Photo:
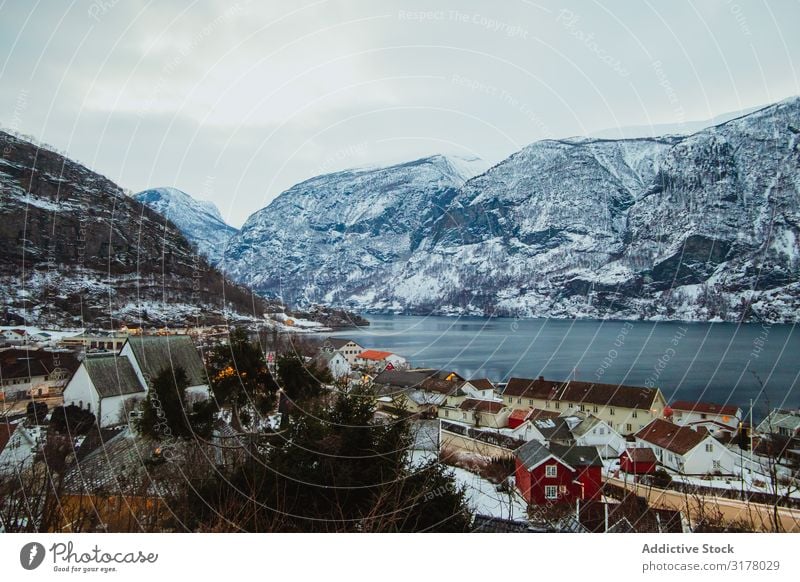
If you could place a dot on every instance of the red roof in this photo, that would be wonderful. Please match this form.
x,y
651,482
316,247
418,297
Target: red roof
x,y
482,383
374,355
520,414
641,455
678,439
705,407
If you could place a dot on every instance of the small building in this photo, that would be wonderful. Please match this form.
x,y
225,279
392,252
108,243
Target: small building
x,y
684,450
557,474
478,413
347,347
420,391
780,423
594,432
638,461
105,385
378,360
334,362
18,445
96,341
34,373
709,414
481,388
14,336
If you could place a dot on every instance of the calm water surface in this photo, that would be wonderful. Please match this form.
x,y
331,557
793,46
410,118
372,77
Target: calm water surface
x,y
720,362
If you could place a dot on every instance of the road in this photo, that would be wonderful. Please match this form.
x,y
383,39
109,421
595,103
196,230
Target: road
x,y
730,510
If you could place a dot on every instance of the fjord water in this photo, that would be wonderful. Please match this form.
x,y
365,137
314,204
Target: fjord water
x,y
720,362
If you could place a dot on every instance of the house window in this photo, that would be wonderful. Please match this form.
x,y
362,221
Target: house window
x,y
547,404
570,405
634,414
595,408
557,405
446,413
550,492
464,415
602,430
530,401
704,416
709,447
519,400
716,465
89,406
611,411
582,408
629,427
551,471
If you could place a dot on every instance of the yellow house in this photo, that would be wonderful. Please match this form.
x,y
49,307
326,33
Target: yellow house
x,y
627,409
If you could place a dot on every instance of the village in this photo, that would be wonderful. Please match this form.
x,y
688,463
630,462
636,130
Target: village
x,y
534,454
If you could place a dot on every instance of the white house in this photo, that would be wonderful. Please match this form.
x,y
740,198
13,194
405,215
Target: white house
x,y
18,445
684,450
14,336
108,384
347,347
715,417
105,385
594,432
150,355
480,388
335,363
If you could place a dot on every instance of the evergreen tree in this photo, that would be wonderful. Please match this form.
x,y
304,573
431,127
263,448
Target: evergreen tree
x,y
300,380
240,376
335,469
163,411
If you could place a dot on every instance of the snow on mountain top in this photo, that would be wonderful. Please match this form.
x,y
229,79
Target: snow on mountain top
x,y
166,201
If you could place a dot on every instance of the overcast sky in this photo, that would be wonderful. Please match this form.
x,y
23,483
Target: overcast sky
x,y
236,101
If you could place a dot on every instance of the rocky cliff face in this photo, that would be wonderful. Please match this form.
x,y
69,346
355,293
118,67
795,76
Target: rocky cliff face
x,y
340,235
199,220
695,227
74,249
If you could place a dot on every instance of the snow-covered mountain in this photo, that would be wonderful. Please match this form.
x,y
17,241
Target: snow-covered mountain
x,y
199,220
696,227
339,235
75,250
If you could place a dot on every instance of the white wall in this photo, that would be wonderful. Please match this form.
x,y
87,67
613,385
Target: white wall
x,y
610,443
683,418
81,391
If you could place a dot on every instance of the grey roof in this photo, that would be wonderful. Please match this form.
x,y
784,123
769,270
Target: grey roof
x,y
586,425
112,375
554,429
155,353
339,342
533,452
778,419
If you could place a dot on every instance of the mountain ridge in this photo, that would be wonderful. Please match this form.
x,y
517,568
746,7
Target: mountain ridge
x,y
667,227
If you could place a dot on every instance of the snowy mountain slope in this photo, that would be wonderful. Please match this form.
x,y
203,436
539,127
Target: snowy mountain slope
x,y
74,249
199,220
335,235
696,227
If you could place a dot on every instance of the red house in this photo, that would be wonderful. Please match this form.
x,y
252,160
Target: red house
x,y
639,461
558,473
